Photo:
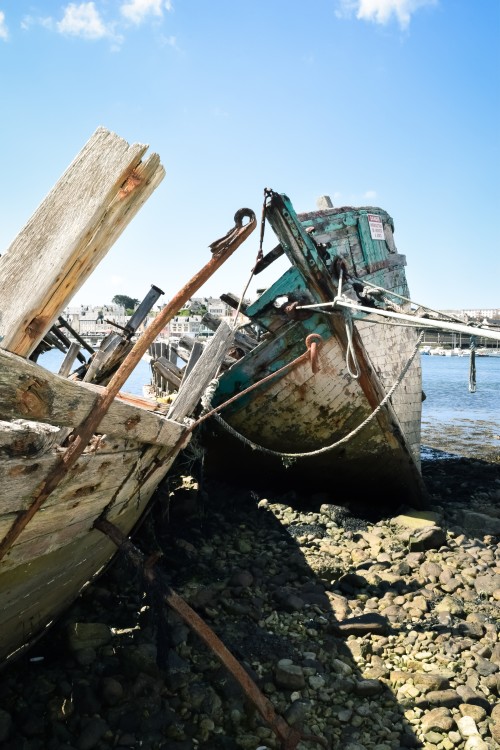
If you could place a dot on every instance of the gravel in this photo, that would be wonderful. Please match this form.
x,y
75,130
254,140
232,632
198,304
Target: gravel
x,y
375,633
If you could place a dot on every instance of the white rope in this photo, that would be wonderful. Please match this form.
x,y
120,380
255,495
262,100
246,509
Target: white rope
x,y
212,387
350,354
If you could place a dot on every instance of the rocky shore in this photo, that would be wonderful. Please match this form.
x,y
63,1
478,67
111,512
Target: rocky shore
x,y
371,630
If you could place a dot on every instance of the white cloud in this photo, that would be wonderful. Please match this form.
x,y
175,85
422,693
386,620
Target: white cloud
x,y
137,10
370,195
83,20
169,41
382,11
4,32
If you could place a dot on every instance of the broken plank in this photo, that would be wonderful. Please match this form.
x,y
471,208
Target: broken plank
x,y
69,234
242,340
170,372
206,368
29,392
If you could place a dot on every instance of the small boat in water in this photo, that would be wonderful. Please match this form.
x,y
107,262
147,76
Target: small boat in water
x,y
74,449
335,392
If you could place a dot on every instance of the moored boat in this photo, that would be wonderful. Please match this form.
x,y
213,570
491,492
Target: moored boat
x,y
347,417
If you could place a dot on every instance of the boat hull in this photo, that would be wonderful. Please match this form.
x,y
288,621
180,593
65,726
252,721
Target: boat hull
x,y
303,412
59,552
332,427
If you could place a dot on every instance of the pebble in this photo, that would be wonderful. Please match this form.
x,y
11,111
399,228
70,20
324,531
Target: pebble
x,y
372,633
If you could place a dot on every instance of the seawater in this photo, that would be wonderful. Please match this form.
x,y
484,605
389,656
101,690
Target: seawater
x,y
453,419
141,375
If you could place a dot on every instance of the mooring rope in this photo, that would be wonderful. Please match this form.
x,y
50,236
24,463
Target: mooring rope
x,y
213,386
350,354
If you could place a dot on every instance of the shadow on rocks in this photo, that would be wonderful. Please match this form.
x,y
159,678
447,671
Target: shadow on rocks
x,y
353,631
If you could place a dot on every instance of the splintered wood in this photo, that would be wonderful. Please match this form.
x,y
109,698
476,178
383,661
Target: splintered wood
x,y
69,234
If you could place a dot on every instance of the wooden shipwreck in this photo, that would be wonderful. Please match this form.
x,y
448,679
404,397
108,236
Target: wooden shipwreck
x,y
344,417
73,451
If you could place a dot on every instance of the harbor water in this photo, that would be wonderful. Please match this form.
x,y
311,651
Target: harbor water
x,y
454,421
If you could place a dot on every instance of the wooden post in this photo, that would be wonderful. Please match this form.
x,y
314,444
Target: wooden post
x,y
70,357
196,353
207,366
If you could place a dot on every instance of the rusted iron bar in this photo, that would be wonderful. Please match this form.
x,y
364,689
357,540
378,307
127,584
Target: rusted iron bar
x,y
221,250
64,324
289,736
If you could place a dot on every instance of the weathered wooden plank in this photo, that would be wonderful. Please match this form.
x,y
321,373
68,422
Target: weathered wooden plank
x,y
68,360
207,366
29,439
268,258
242,340
69,234
196,353
168,370
30,392
38,591
94,472
57,526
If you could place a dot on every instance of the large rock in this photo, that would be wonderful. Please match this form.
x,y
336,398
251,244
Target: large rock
x,y
428,681
289,676
486,585
430,537
88,635
479,523
438,720
369,623
418,519
445,698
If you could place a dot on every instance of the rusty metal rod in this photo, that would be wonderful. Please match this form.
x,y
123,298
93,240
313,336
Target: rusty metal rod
x,y
289,736
221,250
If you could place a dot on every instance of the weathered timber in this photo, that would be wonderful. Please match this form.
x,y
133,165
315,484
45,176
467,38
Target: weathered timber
x,y
168,371
28,440
36,589
69,233
221,251
69,359
207,366
242,340
196,353
27,391
268,258
233,301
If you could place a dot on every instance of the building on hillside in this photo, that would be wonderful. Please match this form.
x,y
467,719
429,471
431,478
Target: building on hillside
x,y
488,314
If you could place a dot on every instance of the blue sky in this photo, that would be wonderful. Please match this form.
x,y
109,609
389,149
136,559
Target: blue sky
x,y
392,103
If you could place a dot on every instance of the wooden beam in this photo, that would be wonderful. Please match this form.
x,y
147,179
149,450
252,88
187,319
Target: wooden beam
x,y
168,371
70,357
28,391
196,352
69,234
243,340
194,385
